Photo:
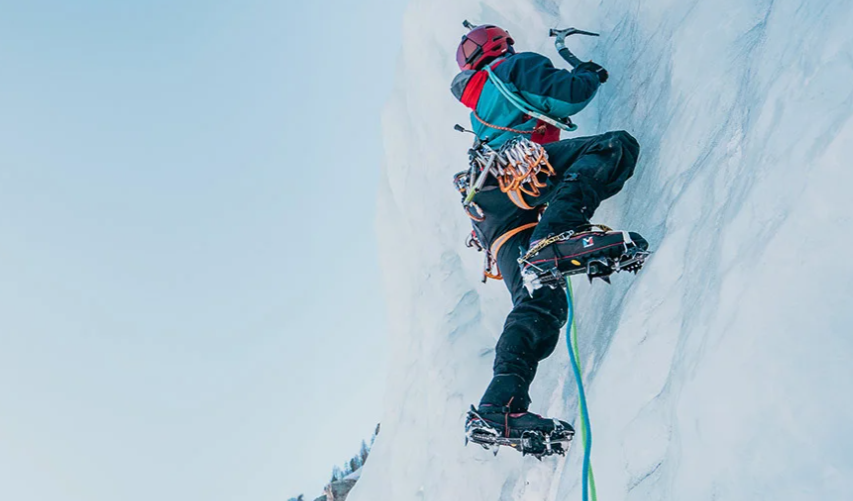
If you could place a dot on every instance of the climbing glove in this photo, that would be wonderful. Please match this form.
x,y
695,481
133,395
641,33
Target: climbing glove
x,y
595,68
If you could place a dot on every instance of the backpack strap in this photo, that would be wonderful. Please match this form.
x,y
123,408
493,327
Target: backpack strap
x,y
524,106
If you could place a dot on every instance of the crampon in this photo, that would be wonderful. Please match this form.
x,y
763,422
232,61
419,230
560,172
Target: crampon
x,y
599,252
537,443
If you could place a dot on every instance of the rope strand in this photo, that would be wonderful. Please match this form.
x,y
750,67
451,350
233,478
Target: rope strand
x,y
588,483
537,130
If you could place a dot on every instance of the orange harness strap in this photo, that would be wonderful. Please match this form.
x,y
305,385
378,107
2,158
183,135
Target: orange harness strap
x,y
496,247
517,198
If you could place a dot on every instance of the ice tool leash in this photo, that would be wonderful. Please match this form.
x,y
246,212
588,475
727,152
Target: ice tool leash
x,y
588,479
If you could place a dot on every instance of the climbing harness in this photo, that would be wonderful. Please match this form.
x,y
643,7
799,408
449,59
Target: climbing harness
x,y
519,167
490,265
501,240
588,478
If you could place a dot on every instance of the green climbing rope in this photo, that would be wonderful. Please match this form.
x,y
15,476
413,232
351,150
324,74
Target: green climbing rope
x,y
586,433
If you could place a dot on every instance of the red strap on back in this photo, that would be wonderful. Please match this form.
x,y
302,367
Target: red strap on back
x,y
471,96
474,88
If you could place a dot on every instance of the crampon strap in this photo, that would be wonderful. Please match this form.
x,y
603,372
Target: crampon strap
x,y
545,242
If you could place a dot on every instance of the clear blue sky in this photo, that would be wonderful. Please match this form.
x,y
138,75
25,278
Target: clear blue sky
x,y
189,302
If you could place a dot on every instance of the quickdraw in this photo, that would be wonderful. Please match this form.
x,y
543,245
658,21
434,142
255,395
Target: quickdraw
x,y
517,166
490,266
462,181
525,161
490,263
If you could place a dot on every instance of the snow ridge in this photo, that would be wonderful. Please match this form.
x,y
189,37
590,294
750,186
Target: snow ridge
x,y
723,370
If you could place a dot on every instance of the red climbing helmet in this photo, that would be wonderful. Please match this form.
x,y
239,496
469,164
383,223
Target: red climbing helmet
x,y
481,45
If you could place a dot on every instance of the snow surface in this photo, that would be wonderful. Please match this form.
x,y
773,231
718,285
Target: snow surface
x,y
723,371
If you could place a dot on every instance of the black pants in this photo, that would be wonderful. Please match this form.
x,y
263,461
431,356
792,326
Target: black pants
x,y
589,170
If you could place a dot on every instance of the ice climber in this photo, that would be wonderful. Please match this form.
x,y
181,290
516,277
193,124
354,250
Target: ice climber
x,y
535,233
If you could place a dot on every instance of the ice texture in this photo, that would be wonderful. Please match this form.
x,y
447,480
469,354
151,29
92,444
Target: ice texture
x,y
724,370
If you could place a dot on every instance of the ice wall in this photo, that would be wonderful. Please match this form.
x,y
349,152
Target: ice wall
x,y
725,369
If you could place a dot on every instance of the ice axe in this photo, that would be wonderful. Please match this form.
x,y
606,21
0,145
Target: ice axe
x,y
560,43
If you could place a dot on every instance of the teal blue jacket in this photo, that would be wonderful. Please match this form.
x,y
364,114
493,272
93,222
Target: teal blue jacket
x,y
554,92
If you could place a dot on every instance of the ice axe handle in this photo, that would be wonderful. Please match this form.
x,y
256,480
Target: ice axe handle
x,y
560,43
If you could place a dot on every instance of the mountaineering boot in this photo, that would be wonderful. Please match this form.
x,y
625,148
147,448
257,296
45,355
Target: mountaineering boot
x,y
514,424
593,249
526,432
